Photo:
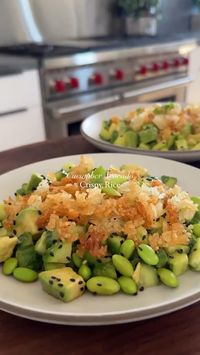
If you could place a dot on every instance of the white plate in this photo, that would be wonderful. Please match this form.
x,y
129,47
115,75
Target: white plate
x,y
29,301
91,128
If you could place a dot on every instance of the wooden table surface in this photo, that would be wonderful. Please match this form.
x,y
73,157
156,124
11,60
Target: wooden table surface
x,y
177,333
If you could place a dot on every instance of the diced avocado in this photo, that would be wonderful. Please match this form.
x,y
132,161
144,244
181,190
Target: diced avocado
x,y
196,218
114,243
196,200
169,180
47,239
181,144
105,134
60,253
194,259
25,240
178,263
105,269
171,141
91,260
160,146
114,136
146,276
64,284
196,229
26,221
186,130
120,140
148,134
196,147
144,146
181,249
163,258
53,266
34,182
131,139
27,257
2,212
77,260
7,246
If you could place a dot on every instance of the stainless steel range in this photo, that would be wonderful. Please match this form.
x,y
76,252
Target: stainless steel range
x,y
81,77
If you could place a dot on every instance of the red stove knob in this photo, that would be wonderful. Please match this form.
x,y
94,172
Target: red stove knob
x,y
176,63
119,74
185,61
143,70
96,79
74,83
155,67
59,86
165,65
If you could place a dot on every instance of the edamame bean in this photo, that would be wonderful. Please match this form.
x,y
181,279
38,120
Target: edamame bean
x,y
85,272
76,260
196,230
127,285
24,274
122,265
127,248
9,266
147,254
102,285
167,277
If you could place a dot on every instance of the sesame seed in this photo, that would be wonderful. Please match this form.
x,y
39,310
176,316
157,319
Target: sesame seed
x,y
121,241
40,212
51,253
98,284
60,285
68,258
82,288
60,246
14,223
51,282
80,282
53,277
72,280
40,229
141,288
144,236
180,251
62,294
15,194
17,214
58,279
135,294
14,232
9,203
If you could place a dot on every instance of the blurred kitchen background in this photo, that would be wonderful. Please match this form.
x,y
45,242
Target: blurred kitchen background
x,y
62,60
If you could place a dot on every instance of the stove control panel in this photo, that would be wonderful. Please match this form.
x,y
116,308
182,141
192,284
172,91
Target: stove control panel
x,y
68,81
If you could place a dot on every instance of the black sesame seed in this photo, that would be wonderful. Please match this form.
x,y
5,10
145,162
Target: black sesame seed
x,y
72,280
51,282
43,176
180,251
62,294
60,246
9,203
14,232
98,284
94,293
51,253
80,282
53,277
82,288
60,285
141,288
140,248
15,194
68,258
135,294
121,241
14,223
40,212
171,256
40,229
17,214
58,279
144,237
195,249
54,241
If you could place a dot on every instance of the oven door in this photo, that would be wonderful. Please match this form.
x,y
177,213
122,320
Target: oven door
x,y
174,90
64,118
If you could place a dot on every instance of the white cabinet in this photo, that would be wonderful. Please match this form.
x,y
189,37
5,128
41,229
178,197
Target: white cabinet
x,y
193,91
21,115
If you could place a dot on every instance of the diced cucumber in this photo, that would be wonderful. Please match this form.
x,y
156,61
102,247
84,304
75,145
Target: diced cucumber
x,y
194,259
148,276
114,243
178,263
196,230
163,258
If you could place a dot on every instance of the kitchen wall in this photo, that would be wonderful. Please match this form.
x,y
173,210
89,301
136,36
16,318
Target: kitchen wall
x,y
175,16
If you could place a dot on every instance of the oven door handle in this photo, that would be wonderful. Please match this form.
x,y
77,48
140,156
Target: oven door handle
x,y
58,113
158,87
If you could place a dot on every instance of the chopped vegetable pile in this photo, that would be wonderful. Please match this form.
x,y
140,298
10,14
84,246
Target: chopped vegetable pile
x,y
102,230
160,127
